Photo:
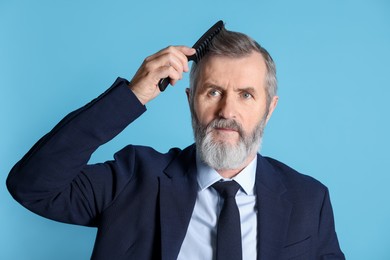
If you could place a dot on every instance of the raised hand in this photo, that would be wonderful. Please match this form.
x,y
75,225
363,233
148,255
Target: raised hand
x,y
170,62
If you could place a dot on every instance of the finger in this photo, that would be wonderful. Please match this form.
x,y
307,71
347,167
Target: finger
x,y
170,62
176,63
167,65
174,53
174,75
169,49
186,50
168,59
173,82
183,53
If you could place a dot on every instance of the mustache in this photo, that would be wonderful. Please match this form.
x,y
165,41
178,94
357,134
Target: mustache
x,y
225,123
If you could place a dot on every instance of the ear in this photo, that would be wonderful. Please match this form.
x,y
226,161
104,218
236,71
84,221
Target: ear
x,y
272,106
188,94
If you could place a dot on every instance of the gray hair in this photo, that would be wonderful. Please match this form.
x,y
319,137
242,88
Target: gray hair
x,y
235,45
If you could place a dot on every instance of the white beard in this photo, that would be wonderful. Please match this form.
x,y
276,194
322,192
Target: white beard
x,y
221,155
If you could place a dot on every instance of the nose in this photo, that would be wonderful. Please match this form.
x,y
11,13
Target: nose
x,y
228,107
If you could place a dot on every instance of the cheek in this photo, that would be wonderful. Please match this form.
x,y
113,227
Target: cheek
x,y
204,113
204,117
254,119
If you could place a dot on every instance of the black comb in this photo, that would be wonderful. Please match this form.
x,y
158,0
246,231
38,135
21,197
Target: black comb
x,y
201,47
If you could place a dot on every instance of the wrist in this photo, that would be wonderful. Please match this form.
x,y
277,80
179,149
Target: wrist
x,y
141,97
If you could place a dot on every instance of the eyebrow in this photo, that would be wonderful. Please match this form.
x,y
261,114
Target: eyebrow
x,y
206,87
251,90
239,89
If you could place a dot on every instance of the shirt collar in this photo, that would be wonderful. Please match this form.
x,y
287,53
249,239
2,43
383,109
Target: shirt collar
x,y
207,176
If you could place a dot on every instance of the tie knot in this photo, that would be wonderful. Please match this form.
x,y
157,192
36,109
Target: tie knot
x,y
226,189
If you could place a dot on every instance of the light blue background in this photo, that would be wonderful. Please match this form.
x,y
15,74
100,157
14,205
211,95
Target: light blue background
x,y
332,121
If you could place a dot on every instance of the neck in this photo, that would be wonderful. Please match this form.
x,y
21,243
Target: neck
x,y
231,173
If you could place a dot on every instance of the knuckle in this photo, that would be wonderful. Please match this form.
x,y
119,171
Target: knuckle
x,y
147,59
147,66
173,73
171,48
171,58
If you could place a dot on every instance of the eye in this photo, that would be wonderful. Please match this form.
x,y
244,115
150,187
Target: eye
x,y
214,93
246,95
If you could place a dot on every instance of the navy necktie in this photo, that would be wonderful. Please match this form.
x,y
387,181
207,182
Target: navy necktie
x,y
229,225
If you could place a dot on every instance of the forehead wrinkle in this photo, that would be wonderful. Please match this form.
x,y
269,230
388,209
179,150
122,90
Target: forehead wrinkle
x,y
217,73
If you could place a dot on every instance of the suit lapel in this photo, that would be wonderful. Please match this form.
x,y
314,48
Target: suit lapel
x,y
176,210
273,211
178,190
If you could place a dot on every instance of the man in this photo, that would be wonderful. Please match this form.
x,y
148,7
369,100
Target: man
x,y
149,205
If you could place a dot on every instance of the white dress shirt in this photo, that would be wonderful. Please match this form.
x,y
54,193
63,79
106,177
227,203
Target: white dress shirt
x,y
200,240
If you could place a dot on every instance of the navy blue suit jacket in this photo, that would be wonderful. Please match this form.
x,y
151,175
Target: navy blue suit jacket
x,y
142,201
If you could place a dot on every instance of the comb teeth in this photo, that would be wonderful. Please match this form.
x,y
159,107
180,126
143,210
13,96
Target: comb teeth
x,y
202,45
203,48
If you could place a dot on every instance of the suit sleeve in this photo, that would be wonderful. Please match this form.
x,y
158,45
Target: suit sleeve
x,y
329,248
53,178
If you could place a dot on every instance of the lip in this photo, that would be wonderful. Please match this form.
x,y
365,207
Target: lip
x,y
227,130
